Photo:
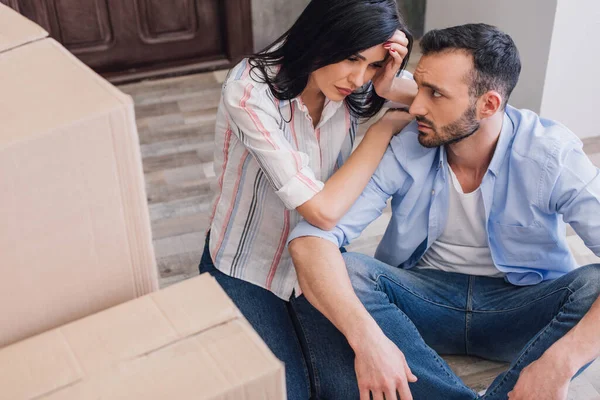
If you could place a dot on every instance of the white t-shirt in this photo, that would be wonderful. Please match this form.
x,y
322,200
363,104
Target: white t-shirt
x,y
463,246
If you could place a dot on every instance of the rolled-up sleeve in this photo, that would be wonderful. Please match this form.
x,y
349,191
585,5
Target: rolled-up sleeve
x,y
576,195
255,120
335,236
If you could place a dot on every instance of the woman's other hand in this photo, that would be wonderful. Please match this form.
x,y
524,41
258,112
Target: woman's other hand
x,y
384,79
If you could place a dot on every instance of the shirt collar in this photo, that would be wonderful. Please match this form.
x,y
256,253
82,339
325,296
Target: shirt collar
x,y
330,103
329,108
507,134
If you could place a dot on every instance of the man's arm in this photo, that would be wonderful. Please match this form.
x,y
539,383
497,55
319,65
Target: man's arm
x,y
581,345
549,377
380,365
575,195
319,262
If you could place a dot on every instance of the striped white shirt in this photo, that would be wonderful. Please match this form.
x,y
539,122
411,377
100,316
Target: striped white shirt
x,y
269,159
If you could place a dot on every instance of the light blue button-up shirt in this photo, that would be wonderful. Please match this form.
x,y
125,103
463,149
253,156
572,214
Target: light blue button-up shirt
x,y
539,179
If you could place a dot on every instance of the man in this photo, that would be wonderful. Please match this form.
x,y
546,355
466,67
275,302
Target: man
x,y
474,260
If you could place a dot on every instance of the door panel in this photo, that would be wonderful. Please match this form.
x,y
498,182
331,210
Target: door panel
x,y
36,10
84,28
160,23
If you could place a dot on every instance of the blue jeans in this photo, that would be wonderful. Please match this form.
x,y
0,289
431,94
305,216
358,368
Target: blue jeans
x,y
427,312
296,332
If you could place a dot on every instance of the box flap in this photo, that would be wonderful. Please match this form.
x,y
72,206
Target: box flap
x,y
149,323
17,30
36,366
222,363
49,88
119,333
195,305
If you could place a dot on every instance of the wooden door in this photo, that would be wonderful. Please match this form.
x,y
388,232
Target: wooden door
x,y
131,39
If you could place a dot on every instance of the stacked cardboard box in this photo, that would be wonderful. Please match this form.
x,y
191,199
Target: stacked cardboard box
x,y
75,240
74,226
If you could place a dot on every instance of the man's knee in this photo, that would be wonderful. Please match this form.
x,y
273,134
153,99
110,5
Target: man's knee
x,y
588,275
586,283
361,270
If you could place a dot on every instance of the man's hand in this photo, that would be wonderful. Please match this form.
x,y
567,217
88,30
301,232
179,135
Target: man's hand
x,y
384,80
542,379
381,369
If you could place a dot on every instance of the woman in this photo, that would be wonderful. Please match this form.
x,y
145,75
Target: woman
x,y
285,130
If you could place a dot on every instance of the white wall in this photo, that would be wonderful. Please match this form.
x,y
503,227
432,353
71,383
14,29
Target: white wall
x,y
271,18
572,86
528,22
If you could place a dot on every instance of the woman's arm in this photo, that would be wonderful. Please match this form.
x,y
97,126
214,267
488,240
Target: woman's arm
x,y
341,190
253,117
402,91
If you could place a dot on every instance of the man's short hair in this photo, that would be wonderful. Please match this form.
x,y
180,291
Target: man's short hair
x,y
496,60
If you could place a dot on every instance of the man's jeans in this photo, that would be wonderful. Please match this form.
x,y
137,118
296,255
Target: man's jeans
x,y
424,313
428,312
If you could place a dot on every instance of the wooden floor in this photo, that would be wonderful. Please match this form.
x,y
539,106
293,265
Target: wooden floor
x,y
175,119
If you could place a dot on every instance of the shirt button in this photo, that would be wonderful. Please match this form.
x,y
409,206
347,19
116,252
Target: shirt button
x,y
432,192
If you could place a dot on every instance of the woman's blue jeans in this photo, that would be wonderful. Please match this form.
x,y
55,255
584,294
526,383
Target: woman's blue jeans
x,y
296,332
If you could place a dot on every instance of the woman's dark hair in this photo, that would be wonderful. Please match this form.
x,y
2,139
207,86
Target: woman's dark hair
x,y
327,32
496,61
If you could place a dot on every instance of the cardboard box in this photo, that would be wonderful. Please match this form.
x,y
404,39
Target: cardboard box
x,y
188,341
75,232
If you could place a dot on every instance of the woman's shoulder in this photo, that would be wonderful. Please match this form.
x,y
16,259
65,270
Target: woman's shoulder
x,y
244,73
244,85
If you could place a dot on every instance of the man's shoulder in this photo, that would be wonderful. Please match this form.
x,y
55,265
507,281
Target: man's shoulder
x,y
406,146
538,138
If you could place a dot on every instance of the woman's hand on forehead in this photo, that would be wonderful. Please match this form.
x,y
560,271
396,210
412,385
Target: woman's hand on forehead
x,y
400,38
383,81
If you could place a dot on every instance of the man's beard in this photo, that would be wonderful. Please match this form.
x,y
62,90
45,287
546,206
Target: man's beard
x,y
462,128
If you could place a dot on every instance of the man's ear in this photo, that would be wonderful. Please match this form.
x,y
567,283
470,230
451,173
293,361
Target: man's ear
x,y
489,104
